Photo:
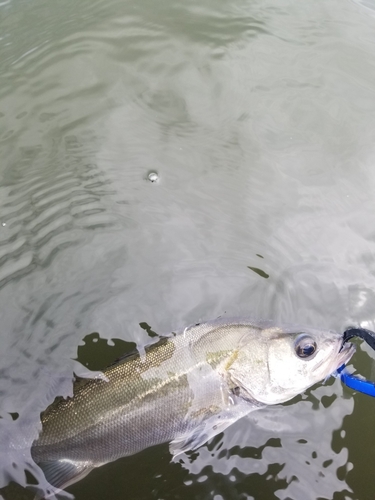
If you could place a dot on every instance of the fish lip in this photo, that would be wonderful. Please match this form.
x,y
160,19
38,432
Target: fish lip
x,y
344,342
345,352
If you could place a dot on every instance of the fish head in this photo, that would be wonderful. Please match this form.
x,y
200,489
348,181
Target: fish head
x,y
279,363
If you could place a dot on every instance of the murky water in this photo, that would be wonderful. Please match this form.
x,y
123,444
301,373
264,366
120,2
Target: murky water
x,y
258,118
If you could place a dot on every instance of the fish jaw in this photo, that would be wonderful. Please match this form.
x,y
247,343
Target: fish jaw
x,y
344,355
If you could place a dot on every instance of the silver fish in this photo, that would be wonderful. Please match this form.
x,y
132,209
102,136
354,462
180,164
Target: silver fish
x,y
184,390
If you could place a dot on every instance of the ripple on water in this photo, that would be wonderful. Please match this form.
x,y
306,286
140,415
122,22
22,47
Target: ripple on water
x,y
45,209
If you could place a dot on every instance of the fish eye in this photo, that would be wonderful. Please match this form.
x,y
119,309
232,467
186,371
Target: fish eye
x,y
305,346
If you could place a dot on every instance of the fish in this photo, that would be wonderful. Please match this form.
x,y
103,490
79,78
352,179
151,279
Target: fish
x,y
184,389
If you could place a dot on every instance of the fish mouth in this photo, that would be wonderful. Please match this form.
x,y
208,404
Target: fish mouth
x,y
345,352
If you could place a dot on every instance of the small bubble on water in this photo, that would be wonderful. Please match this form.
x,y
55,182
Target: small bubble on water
x,y
153,177
3,224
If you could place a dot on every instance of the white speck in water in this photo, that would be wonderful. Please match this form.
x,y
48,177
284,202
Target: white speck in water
x,y
153,176
3,224
203,478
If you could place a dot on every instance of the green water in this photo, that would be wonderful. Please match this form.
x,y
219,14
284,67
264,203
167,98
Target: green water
x,y
259,119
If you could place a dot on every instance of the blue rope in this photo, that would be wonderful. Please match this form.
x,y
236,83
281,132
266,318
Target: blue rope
x,y
360,385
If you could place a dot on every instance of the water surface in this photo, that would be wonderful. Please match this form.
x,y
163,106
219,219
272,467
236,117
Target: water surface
x,y
258,117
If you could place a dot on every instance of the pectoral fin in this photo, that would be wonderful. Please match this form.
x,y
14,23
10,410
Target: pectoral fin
x,y
62,473
197,437
207,429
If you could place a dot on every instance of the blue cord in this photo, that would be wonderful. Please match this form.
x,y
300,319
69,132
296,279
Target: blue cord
x,y
364,386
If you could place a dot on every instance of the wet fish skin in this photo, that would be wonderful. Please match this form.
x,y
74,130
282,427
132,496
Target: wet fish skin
x,y
187,388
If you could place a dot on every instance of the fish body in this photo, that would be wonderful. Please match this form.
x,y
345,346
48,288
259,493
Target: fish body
x,y
184,390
